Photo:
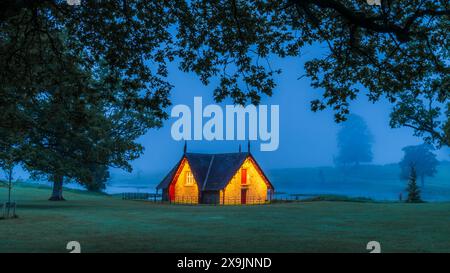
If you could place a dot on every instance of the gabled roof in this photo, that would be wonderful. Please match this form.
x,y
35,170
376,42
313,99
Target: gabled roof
x,y
211,171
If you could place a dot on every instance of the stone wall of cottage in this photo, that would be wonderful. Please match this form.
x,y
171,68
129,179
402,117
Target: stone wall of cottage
x,y
255,187
184,192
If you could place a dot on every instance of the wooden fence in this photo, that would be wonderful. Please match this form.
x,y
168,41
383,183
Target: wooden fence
x,y
190,200
142,196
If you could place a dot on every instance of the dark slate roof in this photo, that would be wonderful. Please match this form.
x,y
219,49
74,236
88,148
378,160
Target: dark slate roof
x,y
211,171
166,181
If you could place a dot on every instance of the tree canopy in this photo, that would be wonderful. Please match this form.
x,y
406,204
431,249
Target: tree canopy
x,y
75,85
354,142
422,158
398,51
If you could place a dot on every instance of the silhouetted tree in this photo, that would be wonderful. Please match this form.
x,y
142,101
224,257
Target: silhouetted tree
x,y
423,160
78,136
100,175
10,157
413,189
76,87
321,176
354,142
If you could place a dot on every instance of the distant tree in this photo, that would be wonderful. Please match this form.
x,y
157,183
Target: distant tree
x,y
423,160
354,142
413,189
100,175
321,177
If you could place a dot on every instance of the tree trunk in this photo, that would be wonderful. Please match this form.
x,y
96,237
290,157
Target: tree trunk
x,y
57,189
9,185
8,205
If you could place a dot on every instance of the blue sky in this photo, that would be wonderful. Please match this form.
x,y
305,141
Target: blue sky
x,y
307,139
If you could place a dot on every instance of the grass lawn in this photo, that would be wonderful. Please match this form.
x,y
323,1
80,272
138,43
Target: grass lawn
x,y
107,224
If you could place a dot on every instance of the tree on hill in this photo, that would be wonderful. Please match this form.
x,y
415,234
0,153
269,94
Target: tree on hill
x,y
100,175
354,142
423,160
413,189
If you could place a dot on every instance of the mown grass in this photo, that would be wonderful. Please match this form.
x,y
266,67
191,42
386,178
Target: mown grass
x,y
107,224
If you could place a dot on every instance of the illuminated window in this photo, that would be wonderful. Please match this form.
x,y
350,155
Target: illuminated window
x,y
244,176
189,179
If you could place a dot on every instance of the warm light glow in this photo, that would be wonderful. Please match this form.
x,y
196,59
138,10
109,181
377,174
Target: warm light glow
x,y
189,179
253,191
247,186
186,189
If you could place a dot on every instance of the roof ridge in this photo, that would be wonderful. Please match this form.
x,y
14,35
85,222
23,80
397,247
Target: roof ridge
x,y
207,173
211,154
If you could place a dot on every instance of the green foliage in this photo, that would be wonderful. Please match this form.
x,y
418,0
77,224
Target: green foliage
x,y
413,189
75,86
100,175
423,160
398,51
354,142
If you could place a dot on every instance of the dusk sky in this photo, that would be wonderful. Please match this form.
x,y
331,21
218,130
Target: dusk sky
x,y
306,138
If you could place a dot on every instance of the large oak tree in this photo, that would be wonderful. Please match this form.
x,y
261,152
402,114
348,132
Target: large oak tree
x,y
76,86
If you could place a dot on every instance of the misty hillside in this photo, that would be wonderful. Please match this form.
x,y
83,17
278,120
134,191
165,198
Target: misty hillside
x,y
380,182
